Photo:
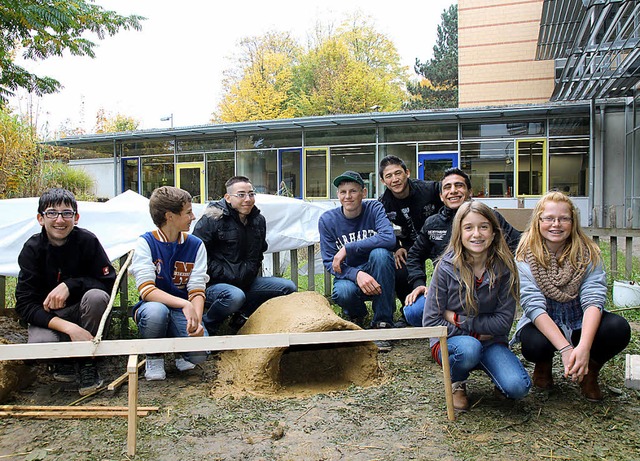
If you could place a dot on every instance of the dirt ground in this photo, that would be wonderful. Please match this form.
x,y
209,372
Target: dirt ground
x,y
401,417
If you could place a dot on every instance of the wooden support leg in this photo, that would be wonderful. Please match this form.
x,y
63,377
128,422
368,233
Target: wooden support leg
x,y
132,370
446,371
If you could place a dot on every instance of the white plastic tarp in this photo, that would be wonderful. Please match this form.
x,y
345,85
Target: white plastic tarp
x,y
291,223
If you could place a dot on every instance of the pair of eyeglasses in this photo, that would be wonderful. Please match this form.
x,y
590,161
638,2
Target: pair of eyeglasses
x,y
53,214
561,219
243,195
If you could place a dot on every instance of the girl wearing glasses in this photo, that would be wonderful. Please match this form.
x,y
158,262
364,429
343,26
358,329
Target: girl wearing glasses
x,y
563,289
473,293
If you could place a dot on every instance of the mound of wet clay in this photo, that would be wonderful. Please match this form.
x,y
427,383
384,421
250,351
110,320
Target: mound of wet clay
x,y
297,370
14,374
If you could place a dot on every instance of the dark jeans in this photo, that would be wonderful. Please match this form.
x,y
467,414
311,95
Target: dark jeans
x,y
611,338
402,284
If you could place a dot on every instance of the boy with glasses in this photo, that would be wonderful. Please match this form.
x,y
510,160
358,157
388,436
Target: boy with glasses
x,y
64,284
234,233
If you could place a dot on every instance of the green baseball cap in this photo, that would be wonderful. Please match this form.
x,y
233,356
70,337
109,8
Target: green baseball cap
x,y
348,176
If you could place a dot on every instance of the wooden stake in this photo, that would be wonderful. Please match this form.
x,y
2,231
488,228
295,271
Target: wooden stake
x,y
132,420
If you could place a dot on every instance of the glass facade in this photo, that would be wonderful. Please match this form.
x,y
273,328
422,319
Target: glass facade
x,y
505,159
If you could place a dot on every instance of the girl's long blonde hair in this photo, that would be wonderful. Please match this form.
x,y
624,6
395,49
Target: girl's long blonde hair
x,y
499,256
577,242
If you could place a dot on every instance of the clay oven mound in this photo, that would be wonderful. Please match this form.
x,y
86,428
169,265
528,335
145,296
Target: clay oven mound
x,y
297,370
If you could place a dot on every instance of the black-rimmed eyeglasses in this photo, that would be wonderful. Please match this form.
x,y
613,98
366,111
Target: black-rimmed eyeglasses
x,y
53,214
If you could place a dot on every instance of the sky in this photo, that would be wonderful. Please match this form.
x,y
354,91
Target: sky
x,y
175,65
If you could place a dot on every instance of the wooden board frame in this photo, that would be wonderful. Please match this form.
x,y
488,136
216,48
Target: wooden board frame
x,y
133,347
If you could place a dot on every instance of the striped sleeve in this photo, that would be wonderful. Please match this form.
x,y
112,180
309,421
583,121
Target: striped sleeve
x,y
142,268
198,279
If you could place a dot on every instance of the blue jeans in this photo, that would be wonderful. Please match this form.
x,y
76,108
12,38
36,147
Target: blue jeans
x,y
466,353
350,298
155,320
224,299
413,312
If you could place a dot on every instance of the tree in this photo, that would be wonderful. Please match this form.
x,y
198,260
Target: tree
x,y
43,28
107,123
259,86
438,86
349,70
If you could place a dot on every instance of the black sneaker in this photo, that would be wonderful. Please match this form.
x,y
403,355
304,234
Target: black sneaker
x,y
237,321
90,379
64,371
401,323
383,345
357,320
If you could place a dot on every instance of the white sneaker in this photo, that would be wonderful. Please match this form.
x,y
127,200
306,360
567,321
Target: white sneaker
x,y
154,370
183,364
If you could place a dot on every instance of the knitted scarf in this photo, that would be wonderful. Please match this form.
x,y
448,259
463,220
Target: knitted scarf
x,y
559,282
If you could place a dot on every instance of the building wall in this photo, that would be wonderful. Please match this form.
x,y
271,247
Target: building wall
x,y
496,54
101,170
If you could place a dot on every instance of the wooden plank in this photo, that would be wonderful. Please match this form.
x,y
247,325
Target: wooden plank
x,y
293,256
71,408
606,232
116,383
3,292
43,414
613,241
446,372
350,336
311,268
210,343
132,417
628,263
632,371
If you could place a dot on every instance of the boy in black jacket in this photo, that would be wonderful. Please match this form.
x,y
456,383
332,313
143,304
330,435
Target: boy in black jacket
x,y
64,284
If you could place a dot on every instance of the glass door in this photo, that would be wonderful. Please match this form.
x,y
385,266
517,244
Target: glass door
x,y
316,169
431,166
190,177
290,172
531,167
131,174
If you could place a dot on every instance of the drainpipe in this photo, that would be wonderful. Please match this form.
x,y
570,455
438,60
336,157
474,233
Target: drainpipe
x,y
115,169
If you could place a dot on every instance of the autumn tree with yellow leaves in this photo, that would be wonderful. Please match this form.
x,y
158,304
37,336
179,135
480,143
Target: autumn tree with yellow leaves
x,y
353,69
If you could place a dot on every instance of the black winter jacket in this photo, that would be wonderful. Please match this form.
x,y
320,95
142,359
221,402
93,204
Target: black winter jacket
x,y
434,238
234,250
81,263
410,213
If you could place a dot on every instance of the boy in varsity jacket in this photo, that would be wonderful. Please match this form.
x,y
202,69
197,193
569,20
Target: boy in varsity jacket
x,y
170,269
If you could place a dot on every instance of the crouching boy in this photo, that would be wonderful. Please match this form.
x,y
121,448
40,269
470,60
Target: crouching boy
x,y
170,269
64,284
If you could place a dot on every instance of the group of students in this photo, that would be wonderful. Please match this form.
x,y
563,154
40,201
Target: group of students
x,y
556,276
190,283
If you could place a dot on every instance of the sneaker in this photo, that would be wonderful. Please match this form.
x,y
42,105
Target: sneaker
x,y
154,370
64,371
357,320
401,323
383,345
183,364
90,379
237,321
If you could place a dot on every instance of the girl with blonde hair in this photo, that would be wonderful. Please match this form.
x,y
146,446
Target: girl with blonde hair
x,y
563,290
473,293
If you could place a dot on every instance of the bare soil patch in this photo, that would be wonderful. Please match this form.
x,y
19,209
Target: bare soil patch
x,y
401,417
